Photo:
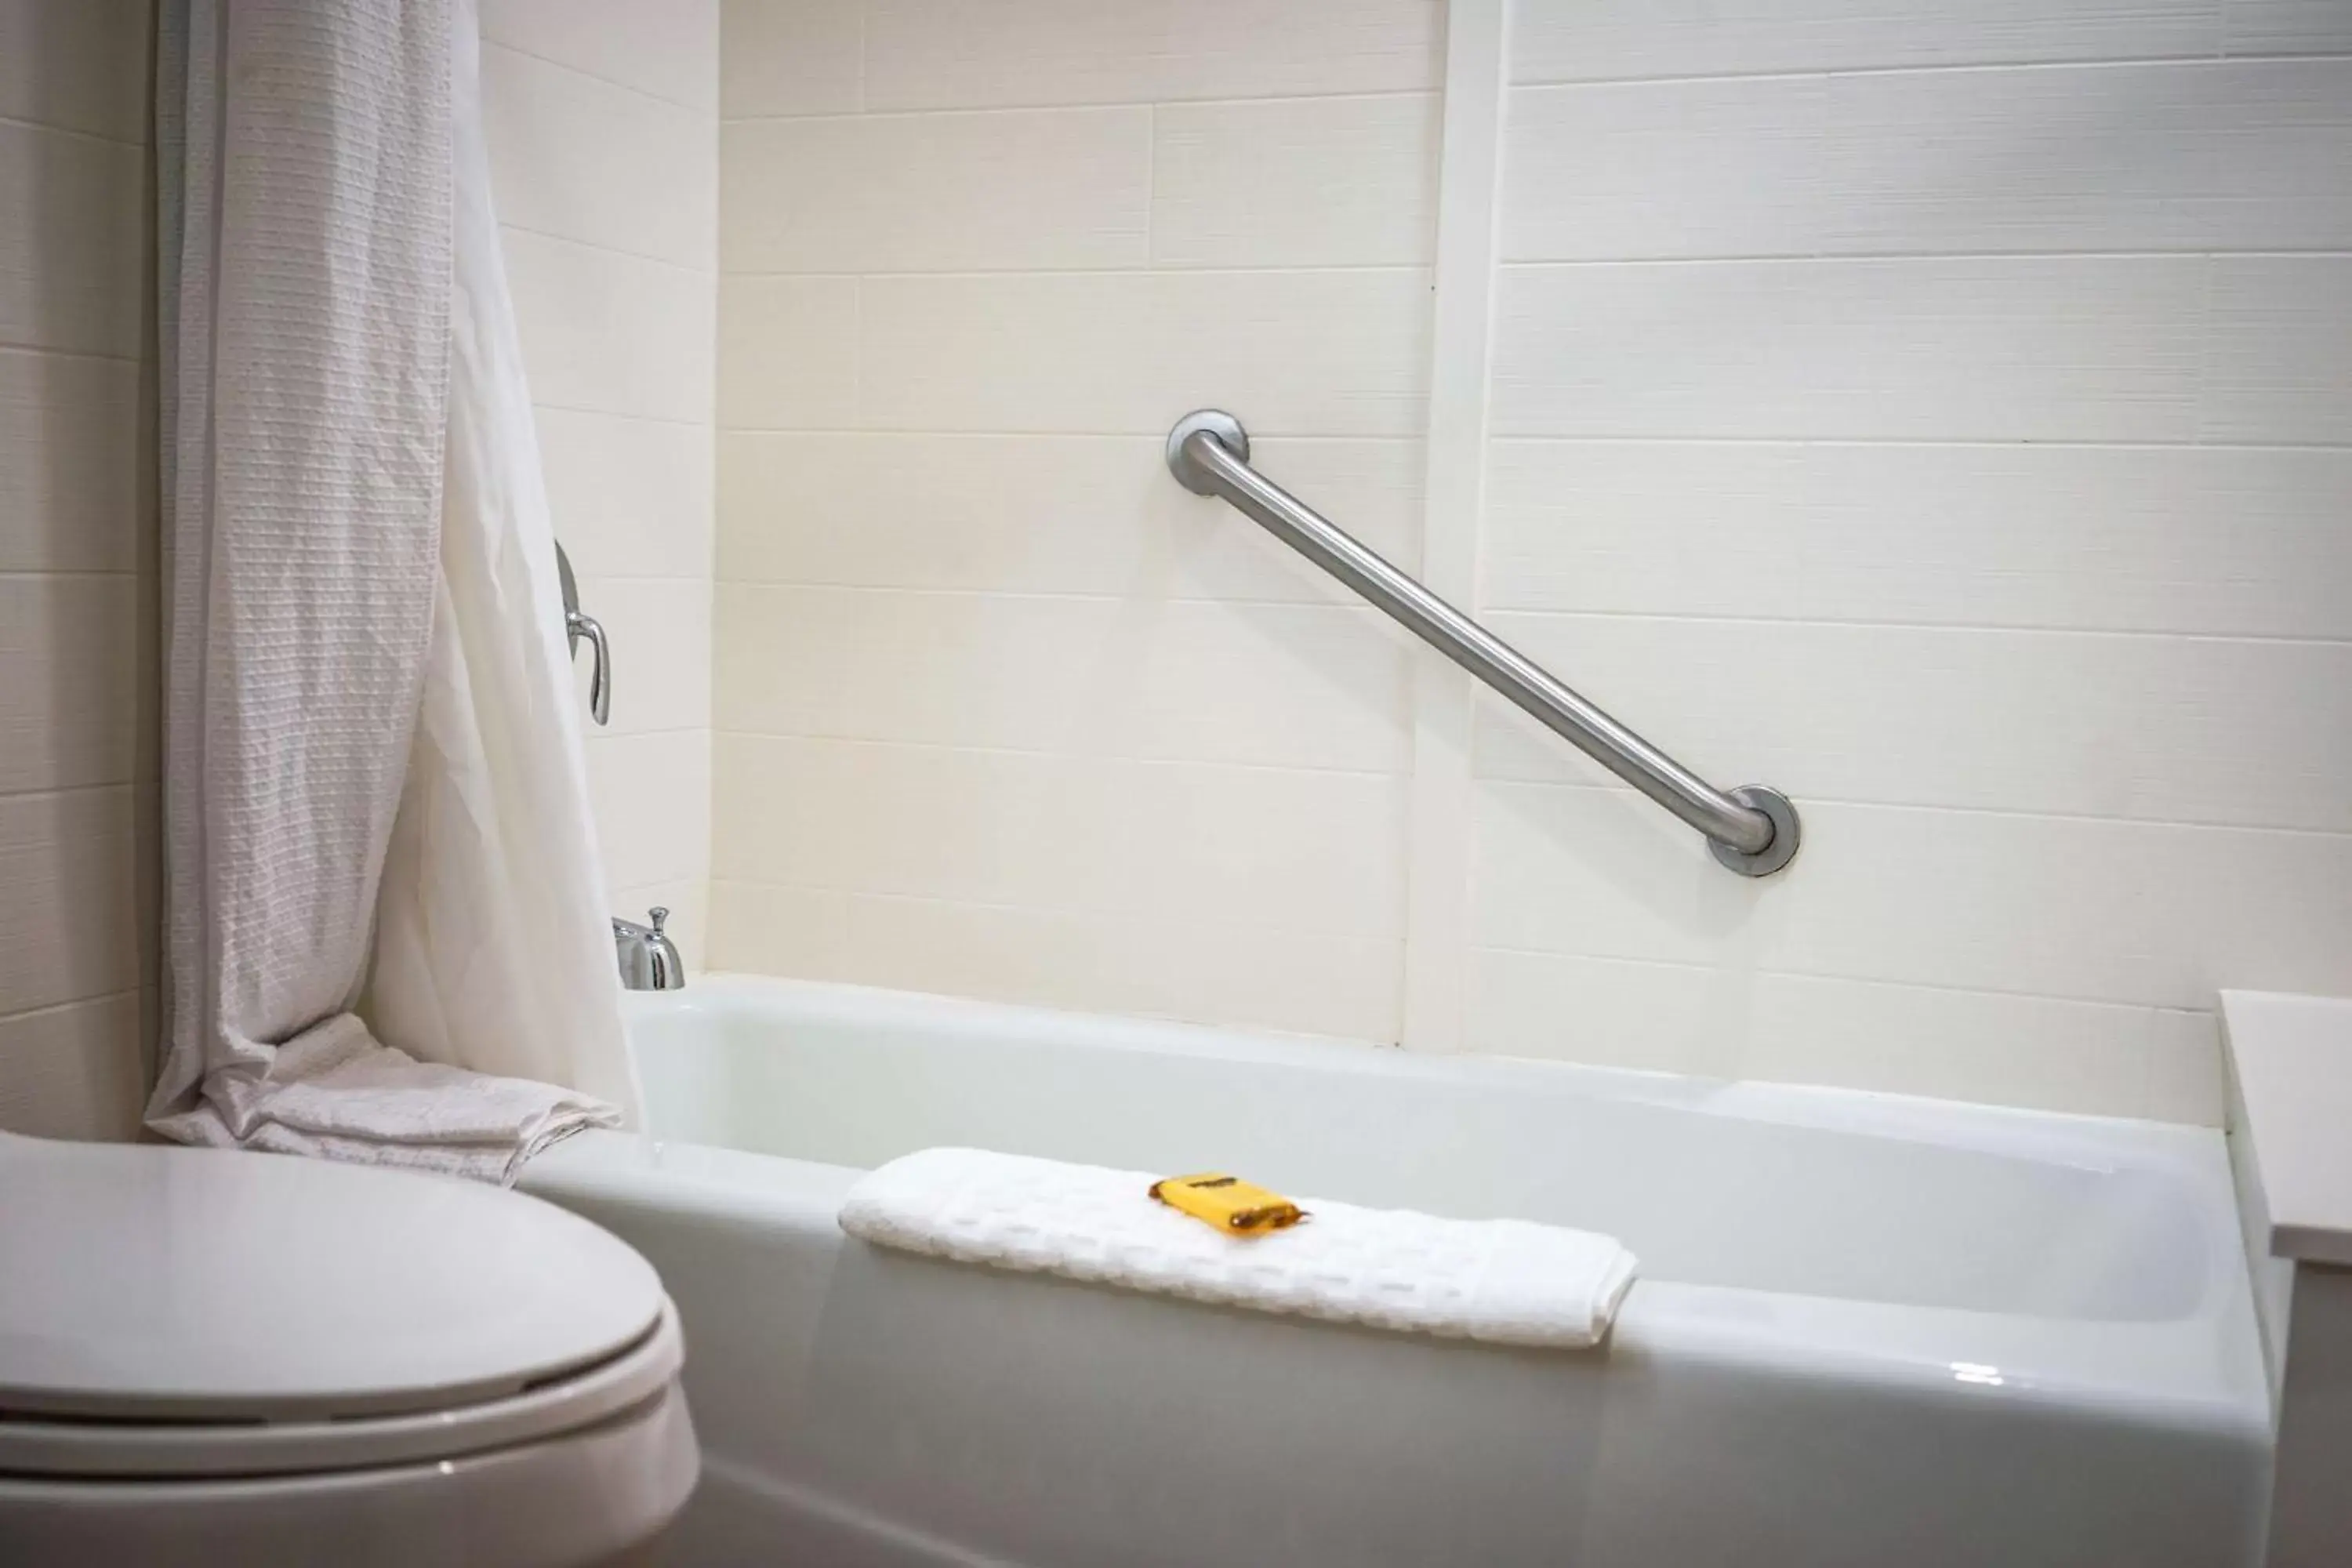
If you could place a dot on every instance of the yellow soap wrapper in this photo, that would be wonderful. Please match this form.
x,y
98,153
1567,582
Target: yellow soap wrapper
x,y
1228,1202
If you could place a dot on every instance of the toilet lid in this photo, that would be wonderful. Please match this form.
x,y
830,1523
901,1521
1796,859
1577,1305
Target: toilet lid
x,y
138,1283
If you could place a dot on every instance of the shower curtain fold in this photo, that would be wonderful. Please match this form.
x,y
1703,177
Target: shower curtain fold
x,y
384,919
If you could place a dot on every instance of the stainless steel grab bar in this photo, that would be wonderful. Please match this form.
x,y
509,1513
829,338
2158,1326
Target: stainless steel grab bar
x,y
1752,829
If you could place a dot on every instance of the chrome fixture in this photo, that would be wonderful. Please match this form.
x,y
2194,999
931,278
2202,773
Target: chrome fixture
x,y
649,960
1752,829
576,626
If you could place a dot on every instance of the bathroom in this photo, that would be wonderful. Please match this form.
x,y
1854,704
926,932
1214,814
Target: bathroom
x,y
1910,444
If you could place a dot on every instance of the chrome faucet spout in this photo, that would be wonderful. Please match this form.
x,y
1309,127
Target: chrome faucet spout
x,y
648,959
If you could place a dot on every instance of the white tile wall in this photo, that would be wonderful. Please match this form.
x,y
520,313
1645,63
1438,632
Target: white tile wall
x,y
1293,352
660,48
2153,728
1274,848
609,332
1958,439
74,1071
791,57
69,498
949,54
1039,514
2158,156
576,156
1295,183
788,352
2225,540
76,68
68,713
76,563
1944,412
939,193
1934,348
1156,965
1077,675
2280,350
1000,709
602,118
1602,40
70,932
70,260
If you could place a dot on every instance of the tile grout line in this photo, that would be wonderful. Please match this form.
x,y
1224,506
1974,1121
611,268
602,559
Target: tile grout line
x,y
679,104
47,1008
1969,67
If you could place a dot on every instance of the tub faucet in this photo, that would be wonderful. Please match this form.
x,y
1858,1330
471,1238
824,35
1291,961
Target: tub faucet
x,y
649,960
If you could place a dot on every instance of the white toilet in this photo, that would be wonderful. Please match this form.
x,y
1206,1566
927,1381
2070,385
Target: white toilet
x,y
209,1357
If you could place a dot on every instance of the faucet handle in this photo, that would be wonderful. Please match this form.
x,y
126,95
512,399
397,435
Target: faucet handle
x,y
648,959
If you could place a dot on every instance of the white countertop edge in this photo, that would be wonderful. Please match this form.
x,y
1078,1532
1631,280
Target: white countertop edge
x,y
2291,1058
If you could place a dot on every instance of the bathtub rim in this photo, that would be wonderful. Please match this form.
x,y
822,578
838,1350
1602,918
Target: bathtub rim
x,y
2203,1367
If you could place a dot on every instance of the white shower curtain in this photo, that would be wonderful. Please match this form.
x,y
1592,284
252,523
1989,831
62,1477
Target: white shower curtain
x,y
385,924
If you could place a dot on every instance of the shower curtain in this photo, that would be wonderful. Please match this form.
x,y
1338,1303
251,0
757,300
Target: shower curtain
x,y
384,921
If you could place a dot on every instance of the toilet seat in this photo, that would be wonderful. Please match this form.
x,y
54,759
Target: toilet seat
x,y
181,1312
592,1498
642,1372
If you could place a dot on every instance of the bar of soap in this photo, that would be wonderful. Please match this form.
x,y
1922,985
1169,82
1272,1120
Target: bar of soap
x,y
1228,1202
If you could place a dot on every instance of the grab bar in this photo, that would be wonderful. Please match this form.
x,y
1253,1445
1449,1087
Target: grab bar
x,y
1752,829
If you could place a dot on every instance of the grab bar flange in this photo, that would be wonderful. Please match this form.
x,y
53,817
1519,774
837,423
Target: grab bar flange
x,y
1786,833
1214,422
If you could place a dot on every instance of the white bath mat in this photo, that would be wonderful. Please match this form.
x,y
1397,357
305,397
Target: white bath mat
x,y
1507,1281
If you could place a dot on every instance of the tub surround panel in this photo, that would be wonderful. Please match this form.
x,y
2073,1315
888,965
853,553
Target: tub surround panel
x,y
791,57
939,193
70,930
1937,411
603,124
654,791
661,627
2205,731
1303,686
611,332
1037,515
2154,914
69,709
662,50
1335,352
1269,847
2145,156
945,53
609,476
1308,182
68,500
2281,347
1911,348
1636,39
2207,541
78,594
76,1070
576,156
1149,964
788,352
70,268
1000,710
76,68
1725,1020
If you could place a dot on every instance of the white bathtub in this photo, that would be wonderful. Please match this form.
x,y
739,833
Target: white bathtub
x,y
1868,1332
